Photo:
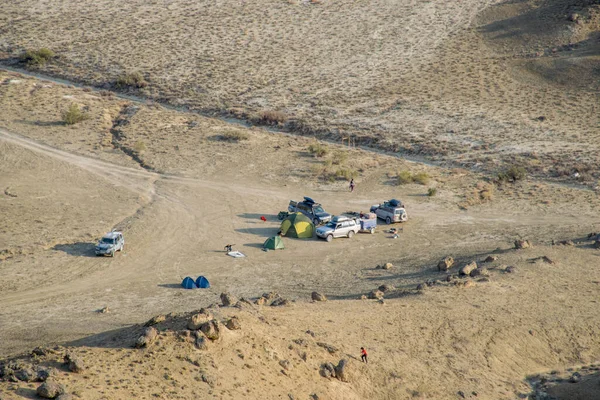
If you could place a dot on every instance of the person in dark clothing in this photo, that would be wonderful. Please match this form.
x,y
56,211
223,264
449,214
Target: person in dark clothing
x,y
363,355
352,185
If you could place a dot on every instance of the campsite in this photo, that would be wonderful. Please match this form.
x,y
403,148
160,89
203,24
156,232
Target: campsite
x,y
171,173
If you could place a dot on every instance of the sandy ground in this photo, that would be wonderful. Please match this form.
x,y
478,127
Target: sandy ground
x,y
198,192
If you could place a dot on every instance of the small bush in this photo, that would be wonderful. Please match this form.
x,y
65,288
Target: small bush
x,y
431,192
73,115
339,158
318,149
272,117
513,174
139,146
404,177
37,58
421,178
234,136
346,173
132,79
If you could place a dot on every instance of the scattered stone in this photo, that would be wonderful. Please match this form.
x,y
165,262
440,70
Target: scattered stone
x,y
461,394
576,377
363,297
466,270
185,335
566,243
198,319
260,301
381,301
201,342
286,364
490,259
26,374
449,278
40,351
375,294
233,324
156,320
300,342
279,302
468,284
386,288
147,337
532,332
228,299
316,296
522,244
445,264
483,280
387,266
479,272
66,396
209,380
510,269
50,390
341,370
74,363
421,286
103,310
271,296
44,373
327,370
311,333
547,260
331,349
211,329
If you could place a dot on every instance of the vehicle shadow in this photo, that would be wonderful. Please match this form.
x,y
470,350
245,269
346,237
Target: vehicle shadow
x,y
266,231
171,286
79,249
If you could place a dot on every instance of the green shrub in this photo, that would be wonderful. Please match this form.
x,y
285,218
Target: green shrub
x,y
73,115
404,177
139,146
234,136
37,58
132,79
339,157
318,149
431,192
513,174
346,173
421,178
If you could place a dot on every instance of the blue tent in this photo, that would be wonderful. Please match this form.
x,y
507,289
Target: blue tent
x,y
188,283
202,282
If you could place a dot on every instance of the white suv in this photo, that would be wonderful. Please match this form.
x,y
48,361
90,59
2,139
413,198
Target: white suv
x,y
339,226
110,244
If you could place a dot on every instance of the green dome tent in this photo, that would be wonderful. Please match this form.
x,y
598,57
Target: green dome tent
x,y
274,243
297,225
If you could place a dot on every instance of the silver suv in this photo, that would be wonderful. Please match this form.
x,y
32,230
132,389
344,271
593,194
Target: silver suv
x,y
110,244
339,226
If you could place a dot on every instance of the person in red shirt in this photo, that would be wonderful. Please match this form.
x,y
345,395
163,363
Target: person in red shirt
x,y
363,355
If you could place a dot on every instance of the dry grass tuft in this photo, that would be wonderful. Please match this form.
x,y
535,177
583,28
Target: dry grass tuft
x,y
272,117
132,79
74,115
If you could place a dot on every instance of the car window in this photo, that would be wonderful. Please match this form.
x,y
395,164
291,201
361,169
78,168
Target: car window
x,y
338,226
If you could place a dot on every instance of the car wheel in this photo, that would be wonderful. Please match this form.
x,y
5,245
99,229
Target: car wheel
x,y
316,221
388,220
329,238
350,234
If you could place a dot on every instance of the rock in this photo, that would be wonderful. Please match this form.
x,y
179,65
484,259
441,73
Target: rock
x,y
421,286
341,371
26,374
510,269
74,363
490,259
448,278
198,319
547,260
233,324
186,335
522,244
156,320
331,349
375,294
479,272
483,280
147,337
381,301
260,301
40,351
466,270
50,390
576,377
468,284
363,297
446,264
228,299
66,396
387,266
270,296
286,364
209,380
201,342
103,310
211,329
44,373
280,302
316,296
327,370
567,243
311,333
386,288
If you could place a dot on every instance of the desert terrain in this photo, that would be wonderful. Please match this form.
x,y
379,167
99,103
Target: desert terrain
x,y
182,163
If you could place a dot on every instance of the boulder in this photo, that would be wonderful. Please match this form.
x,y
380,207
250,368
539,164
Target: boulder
x,y
387,266
469,284
233,324
466,270
198,319
228,299
375,294
510,269
278,302
286,364
327,370
26,374
211,329
50,390
260,301
479,272
316,296
40,351
576,377
44,373
74,363
156,320
522,244
201,342
150,334
386,288
445,264
331,349
341,370
490,259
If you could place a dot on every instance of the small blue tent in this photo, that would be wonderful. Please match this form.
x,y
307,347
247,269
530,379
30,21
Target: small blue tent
x,y
188,283
202,282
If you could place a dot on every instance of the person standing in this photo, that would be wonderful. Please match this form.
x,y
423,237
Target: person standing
x,y
363,355
352,185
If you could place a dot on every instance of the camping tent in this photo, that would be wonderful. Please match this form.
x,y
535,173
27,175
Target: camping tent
x,y
297,225
202,282
274,243
188,283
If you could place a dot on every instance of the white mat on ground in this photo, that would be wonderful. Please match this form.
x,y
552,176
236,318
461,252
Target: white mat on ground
x,y
236,254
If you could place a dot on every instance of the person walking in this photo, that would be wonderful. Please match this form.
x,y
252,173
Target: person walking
x,y
352,185
363,355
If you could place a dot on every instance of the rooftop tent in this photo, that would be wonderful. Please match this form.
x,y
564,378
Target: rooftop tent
x,y
188,283
274,243
297,225
202,283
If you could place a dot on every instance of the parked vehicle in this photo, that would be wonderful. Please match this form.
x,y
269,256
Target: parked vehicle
x,y
390,211
312,210
110,244
368,221
340,226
